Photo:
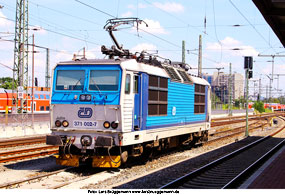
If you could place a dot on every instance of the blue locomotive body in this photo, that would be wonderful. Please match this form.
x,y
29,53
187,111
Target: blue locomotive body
x,y
108,110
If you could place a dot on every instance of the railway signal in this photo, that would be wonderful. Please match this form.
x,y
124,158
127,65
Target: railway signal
x,y
248,65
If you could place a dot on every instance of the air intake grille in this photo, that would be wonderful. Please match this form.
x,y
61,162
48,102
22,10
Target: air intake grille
x,y
184,76
171,72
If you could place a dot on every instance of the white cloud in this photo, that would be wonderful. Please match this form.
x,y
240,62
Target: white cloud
x,y
233,47
127,14
90,55
134,7
143,47
154,27
171,7
4,22
63,56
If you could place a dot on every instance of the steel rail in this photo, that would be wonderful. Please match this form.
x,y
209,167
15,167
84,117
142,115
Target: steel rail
x,y
27,150
234,180
230,135
227,122
23,141
13,183
26,156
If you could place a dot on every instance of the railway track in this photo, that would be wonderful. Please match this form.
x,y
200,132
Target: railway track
x,y
235,132
22,141
17,183
228,121
28,153
13,154
36,180
51,179
230,170
243,117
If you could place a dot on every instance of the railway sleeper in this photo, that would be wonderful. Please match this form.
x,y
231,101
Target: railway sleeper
x,y
203,184
216,176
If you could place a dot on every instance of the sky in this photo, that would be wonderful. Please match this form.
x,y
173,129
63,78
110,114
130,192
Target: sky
x,y
230,29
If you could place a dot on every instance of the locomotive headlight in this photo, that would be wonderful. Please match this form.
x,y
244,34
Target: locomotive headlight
x,y
114,125
106,124
87,97
57,123
82,97
86,140
65,123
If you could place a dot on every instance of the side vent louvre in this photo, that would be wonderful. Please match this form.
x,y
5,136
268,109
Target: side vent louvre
x,y
171,72
185,76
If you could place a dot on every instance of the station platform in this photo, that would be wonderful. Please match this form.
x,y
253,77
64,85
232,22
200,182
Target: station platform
x,y
271,175
23,130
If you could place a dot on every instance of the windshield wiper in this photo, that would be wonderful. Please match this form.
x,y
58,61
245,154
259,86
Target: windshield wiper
x,y
96,86
74,86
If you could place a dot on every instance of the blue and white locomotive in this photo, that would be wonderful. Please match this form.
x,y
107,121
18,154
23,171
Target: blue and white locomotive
x,y
105,111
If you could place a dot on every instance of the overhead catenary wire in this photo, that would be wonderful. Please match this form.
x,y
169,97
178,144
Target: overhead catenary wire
x,y
67,14
176,45
48,23
6,66
59,33
173,44
216,34
253,26
96,9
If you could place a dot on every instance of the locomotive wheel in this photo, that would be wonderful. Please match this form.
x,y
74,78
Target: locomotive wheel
x,y
124,156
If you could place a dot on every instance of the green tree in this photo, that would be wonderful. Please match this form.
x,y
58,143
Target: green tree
x,y
275,100
259,106
6,82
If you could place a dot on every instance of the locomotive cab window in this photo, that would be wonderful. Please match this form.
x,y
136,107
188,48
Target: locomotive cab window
x,y
70,80
104,80
200,95
157,96
128,84
136,84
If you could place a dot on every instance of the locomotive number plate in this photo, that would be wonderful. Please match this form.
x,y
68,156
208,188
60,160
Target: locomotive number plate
x,y
85,124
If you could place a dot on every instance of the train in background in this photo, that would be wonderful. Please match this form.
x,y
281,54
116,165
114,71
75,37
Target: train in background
x,y
271,106
104,111
41,101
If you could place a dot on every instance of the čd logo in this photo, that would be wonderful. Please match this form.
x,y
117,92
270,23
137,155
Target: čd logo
x,y
85,112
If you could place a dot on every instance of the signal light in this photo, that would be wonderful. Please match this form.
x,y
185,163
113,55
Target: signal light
x,y
250,74
57,123
248,62
65,123
114,125
106,124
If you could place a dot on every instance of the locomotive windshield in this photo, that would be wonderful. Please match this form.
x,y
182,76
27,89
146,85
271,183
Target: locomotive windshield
x,y
104,80
70,79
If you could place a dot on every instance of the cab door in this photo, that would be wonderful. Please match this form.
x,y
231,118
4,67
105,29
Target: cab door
x,y
137,101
